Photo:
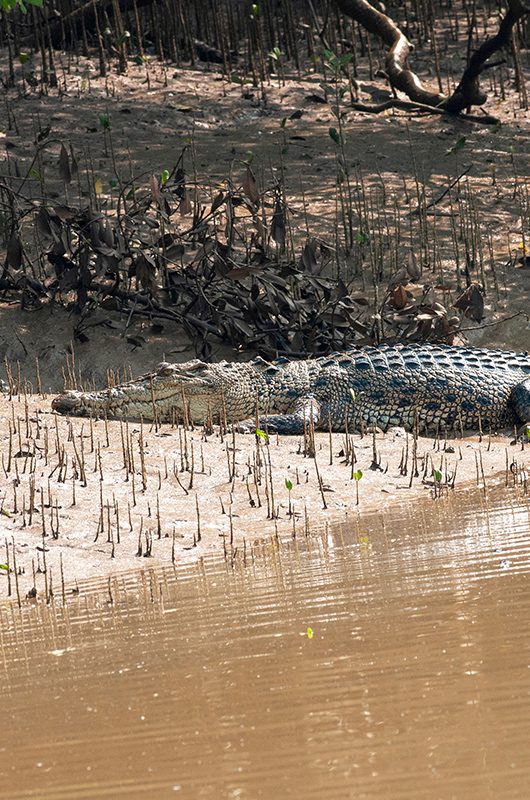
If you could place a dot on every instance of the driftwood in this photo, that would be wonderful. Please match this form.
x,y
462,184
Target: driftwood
x,y
468,92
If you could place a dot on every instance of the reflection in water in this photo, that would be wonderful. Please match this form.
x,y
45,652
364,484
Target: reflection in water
x,y
204,683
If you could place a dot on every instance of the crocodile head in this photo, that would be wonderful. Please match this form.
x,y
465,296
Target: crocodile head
x,y
203,389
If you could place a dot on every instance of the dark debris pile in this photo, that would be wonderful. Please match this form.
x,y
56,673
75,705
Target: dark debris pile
x,y
224,269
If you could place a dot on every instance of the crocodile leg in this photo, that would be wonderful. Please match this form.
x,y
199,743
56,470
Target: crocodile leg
x,y
520,401
306,410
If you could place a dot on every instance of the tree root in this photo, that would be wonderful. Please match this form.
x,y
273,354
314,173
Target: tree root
x,y
468,92
410,105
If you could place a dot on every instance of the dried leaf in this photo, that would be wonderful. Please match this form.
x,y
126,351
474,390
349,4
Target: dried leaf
x,y
399,297
308,260
174,252
155,189
136,341
250,187
64,165
14,252
68,279
65,213
74,169
217,201
412,267
242,327
42,223
185,206
238,272
260,229
145,270
278,224
471,302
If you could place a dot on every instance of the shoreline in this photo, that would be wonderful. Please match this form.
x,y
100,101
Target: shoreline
x,y
83,499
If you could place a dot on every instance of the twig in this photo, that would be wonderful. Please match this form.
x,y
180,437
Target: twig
x,y
441,197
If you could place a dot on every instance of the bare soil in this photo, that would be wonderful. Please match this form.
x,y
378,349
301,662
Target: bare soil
x,y
155,114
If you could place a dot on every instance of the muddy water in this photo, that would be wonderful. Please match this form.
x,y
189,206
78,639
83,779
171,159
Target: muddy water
x,y
390,659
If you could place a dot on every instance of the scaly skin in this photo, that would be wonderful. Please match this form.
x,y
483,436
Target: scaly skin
x,y
435,386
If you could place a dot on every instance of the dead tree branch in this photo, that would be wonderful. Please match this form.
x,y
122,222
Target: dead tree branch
x,y
468,92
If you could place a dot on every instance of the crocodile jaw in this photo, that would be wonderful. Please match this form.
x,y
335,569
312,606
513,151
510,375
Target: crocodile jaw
x,y
200,388
162,393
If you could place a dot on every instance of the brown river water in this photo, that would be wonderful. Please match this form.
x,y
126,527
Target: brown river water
x,y
390,660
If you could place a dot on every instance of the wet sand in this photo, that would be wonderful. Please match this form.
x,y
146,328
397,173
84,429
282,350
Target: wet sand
x,y
84,499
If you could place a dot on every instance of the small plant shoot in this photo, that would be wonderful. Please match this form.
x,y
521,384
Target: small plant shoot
x,y
10,5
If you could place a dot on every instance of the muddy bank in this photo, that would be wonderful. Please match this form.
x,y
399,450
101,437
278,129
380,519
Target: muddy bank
x,y
82,498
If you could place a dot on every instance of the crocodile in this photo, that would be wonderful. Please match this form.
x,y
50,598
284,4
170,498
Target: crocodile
x,y
410,385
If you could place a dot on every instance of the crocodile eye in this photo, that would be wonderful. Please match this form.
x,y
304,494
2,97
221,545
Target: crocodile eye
x,y
191,368
164,368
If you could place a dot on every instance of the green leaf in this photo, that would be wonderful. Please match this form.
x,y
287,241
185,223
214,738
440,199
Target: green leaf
x,y
23,58
288,484
333,132
104,121
357,475
261,434
362,238
345,59
164,177
458,145
437,475
310,633
4,566
254,11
